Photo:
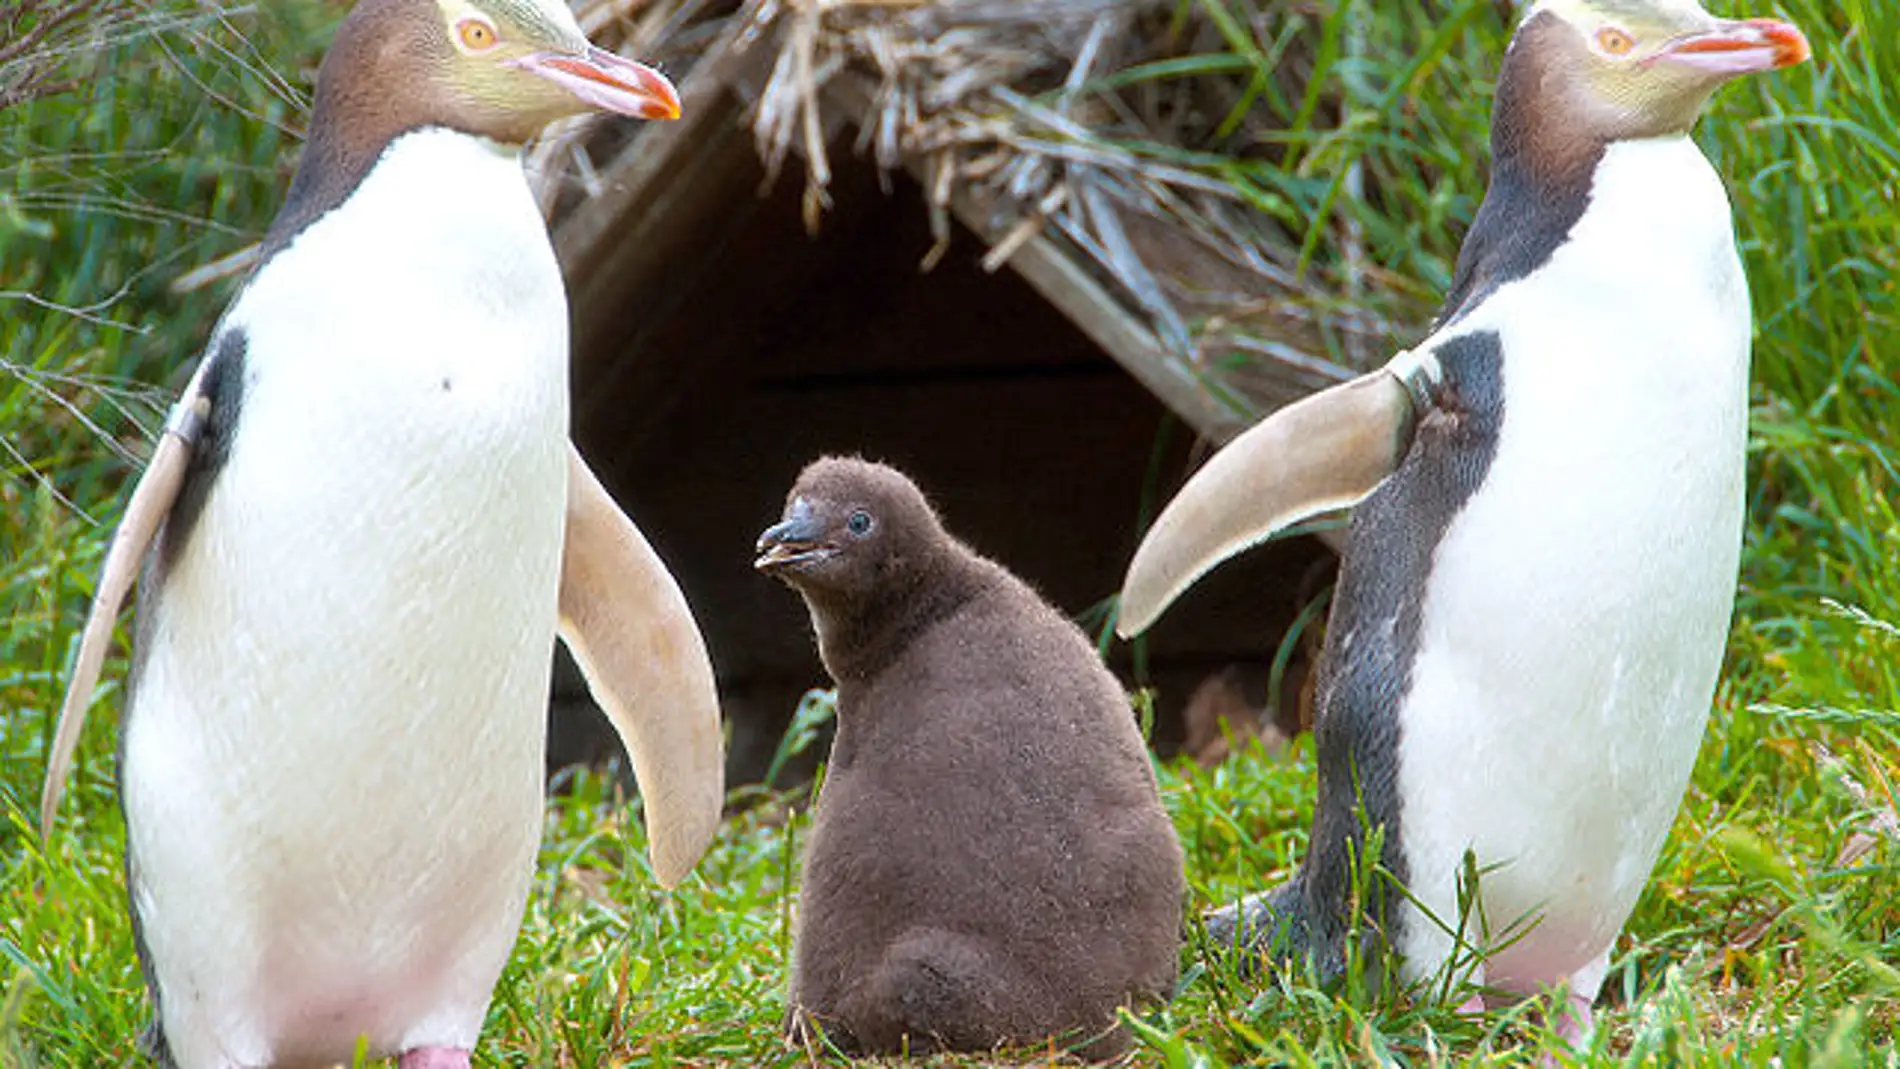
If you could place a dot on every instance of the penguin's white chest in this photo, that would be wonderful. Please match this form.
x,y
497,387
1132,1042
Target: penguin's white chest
x,y
1574,620
334,745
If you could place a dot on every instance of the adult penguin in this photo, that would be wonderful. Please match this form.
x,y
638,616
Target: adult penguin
x,y
365,526
1538,579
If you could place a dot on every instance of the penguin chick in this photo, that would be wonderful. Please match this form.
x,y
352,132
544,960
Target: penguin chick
x,y
365,527
1536,590
989,863
1220,721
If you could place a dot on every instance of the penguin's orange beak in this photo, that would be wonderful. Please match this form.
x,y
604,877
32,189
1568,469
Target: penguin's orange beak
x,y
606,81
1737,48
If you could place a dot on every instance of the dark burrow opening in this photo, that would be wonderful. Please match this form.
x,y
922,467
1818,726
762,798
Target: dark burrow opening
x,y
773,347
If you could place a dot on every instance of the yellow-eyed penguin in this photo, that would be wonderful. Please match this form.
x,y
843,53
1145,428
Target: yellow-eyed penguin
x,y
365,527
1537,584
990,863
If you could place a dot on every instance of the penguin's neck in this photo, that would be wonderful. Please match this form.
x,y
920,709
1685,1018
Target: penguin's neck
x,y
1541,177
1531,211
335,166
1658,231
439,264
1638,321
859,637
449,211
1648,180
1550,135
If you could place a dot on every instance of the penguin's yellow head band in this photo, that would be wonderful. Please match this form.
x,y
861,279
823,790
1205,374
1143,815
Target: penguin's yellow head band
x,y
519,64
1648,67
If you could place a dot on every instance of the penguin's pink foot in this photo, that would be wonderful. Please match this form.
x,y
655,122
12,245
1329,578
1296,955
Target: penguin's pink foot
x,y
1574,1021
433,1058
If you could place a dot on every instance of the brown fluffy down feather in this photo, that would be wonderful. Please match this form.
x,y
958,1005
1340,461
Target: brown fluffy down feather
x,y
989,863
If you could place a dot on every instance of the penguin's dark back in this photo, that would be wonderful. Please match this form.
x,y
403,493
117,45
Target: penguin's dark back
x,y
1373,634
1542,175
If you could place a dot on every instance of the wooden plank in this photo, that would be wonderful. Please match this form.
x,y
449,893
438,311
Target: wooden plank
x,y
659,196
626,250
1088,304
1056,274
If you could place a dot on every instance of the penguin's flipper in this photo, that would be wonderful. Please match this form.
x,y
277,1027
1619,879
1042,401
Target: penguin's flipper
x,y
145,513
1324,452
627,624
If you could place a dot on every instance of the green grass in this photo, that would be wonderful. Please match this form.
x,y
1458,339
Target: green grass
x,y
1770,934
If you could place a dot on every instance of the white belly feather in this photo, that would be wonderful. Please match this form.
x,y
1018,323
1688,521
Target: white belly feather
x,y
333,754
1574,623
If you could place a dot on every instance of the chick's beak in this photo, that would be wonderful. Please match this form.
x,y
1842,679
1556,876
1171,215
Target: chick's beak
x,y
794,541
601,79
1736,48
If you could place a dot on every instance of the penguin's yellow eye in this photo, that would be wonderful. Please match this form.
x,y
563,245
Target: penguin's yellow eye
x,y
1614,42
477,36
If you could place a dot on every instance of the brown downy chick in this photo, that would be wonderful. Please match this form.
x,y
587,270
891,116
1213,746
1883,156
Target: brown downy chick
x,y
989,863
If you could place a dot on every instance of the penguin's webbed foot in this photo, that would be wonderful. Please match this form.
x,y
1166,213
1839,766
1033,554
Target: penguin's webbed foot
x,y
1575,1020
434,1058
1270,927
1236,926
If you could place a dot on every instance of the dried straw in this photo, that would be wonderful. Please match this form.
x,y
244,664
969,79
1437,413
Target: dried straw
x,y
1029,109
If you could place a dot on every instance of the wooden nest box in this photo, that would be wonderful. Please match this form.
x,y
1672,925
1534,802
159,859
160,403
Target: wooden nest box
x,y
973,278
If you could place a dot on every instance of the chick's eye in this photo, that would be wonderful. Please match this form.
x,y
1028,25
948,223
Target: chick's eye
x,y
859,523
1614,42
477,36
